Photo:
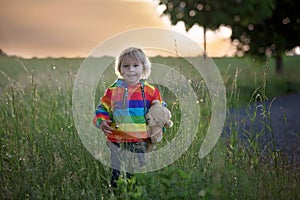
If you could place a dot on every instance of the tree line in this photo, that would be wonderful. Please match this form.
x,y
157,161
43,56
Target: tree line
x,y
262,28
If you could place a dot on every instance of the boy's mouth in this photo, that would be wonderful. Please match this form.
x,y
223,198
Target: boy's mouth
x,y
131,74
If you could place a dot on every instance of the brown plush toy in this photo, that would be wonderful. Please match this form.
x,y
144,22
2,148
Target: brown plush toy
x,y
158,116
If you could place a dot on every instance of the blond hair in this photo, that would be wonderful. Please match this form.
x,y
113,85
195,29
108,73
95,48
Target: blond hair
x,y
137,54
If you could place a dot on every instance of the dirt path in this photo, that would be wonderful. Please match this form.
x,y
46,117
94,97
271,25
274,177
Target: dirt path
x,y
282,115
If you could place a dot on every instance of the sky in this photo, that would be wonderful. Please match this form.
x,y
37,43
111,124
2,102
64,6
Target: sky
x,y
73,28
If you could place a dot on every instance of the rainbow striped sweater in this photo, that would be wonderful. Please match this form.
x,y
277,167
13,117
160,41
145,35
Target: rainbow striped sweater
x,y
125,105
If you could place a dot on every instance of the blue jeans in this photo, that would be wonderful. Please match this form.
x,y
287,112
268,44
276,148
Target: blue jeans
x,y
116,157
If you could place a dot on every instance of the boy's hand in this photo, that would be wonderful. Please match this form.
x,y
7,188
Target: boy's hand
x,y
105,127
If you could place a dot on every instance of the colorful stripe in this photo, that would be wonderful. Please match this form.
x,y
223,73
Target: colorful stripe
x,y
127,109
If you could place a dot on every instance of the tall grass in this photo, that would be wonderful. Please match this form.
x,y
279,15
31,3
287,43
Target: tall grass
x,y
42,156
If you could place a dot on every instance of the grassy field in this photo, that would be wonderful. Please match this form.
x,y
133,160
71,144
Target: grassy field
x,y
42,156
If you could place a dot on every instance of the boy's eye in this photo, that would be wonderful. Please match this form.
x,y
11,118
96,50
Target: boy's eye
x,y
125,66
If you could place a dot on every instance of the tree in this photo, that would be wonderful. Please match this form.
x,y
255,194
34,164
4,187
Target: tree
x,y
212,13
274,35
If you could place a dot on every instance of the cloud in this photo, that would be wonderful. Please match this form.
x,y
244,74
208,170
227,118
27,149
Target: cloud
x,y
71,28
68,28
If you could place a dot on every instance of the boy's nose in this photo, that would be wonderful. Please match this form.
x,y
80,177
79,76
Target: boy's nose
x,y
131,68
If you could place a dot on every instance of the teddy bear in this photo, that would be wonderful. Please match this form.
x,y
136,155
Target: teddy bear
x,y
157,117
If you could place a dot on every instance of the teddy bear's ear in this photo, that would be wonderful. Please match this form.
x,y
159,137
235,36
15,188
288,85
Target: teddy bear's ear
x,y
155,102
168,124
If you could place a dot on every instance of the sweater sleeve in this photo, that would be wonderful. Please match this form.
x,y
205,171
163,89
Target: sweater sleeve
x,y
103,110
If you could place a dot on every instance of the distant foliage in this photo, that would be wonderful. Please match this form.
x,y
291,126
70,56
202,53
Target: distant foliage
x,y
213,14
260,28
274,35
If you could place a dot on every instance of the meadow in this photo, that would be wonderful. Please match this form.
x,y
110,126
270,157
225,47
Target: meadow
x,y
42,156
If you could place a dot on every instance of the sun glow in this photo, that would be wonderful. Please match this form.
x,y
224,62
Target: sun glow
x,y
52,34
218,38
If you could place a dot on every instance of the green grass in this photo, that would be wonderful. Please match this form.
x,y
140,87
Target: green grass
x,y
251,76
42,156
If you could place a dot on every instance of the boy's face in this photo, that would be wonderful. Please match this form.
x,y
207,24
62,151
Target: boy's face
x,y
131,70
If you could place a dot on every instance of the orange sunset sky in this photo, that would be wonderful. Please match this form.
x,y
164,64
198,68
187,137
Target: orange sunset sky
x,y
72,28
